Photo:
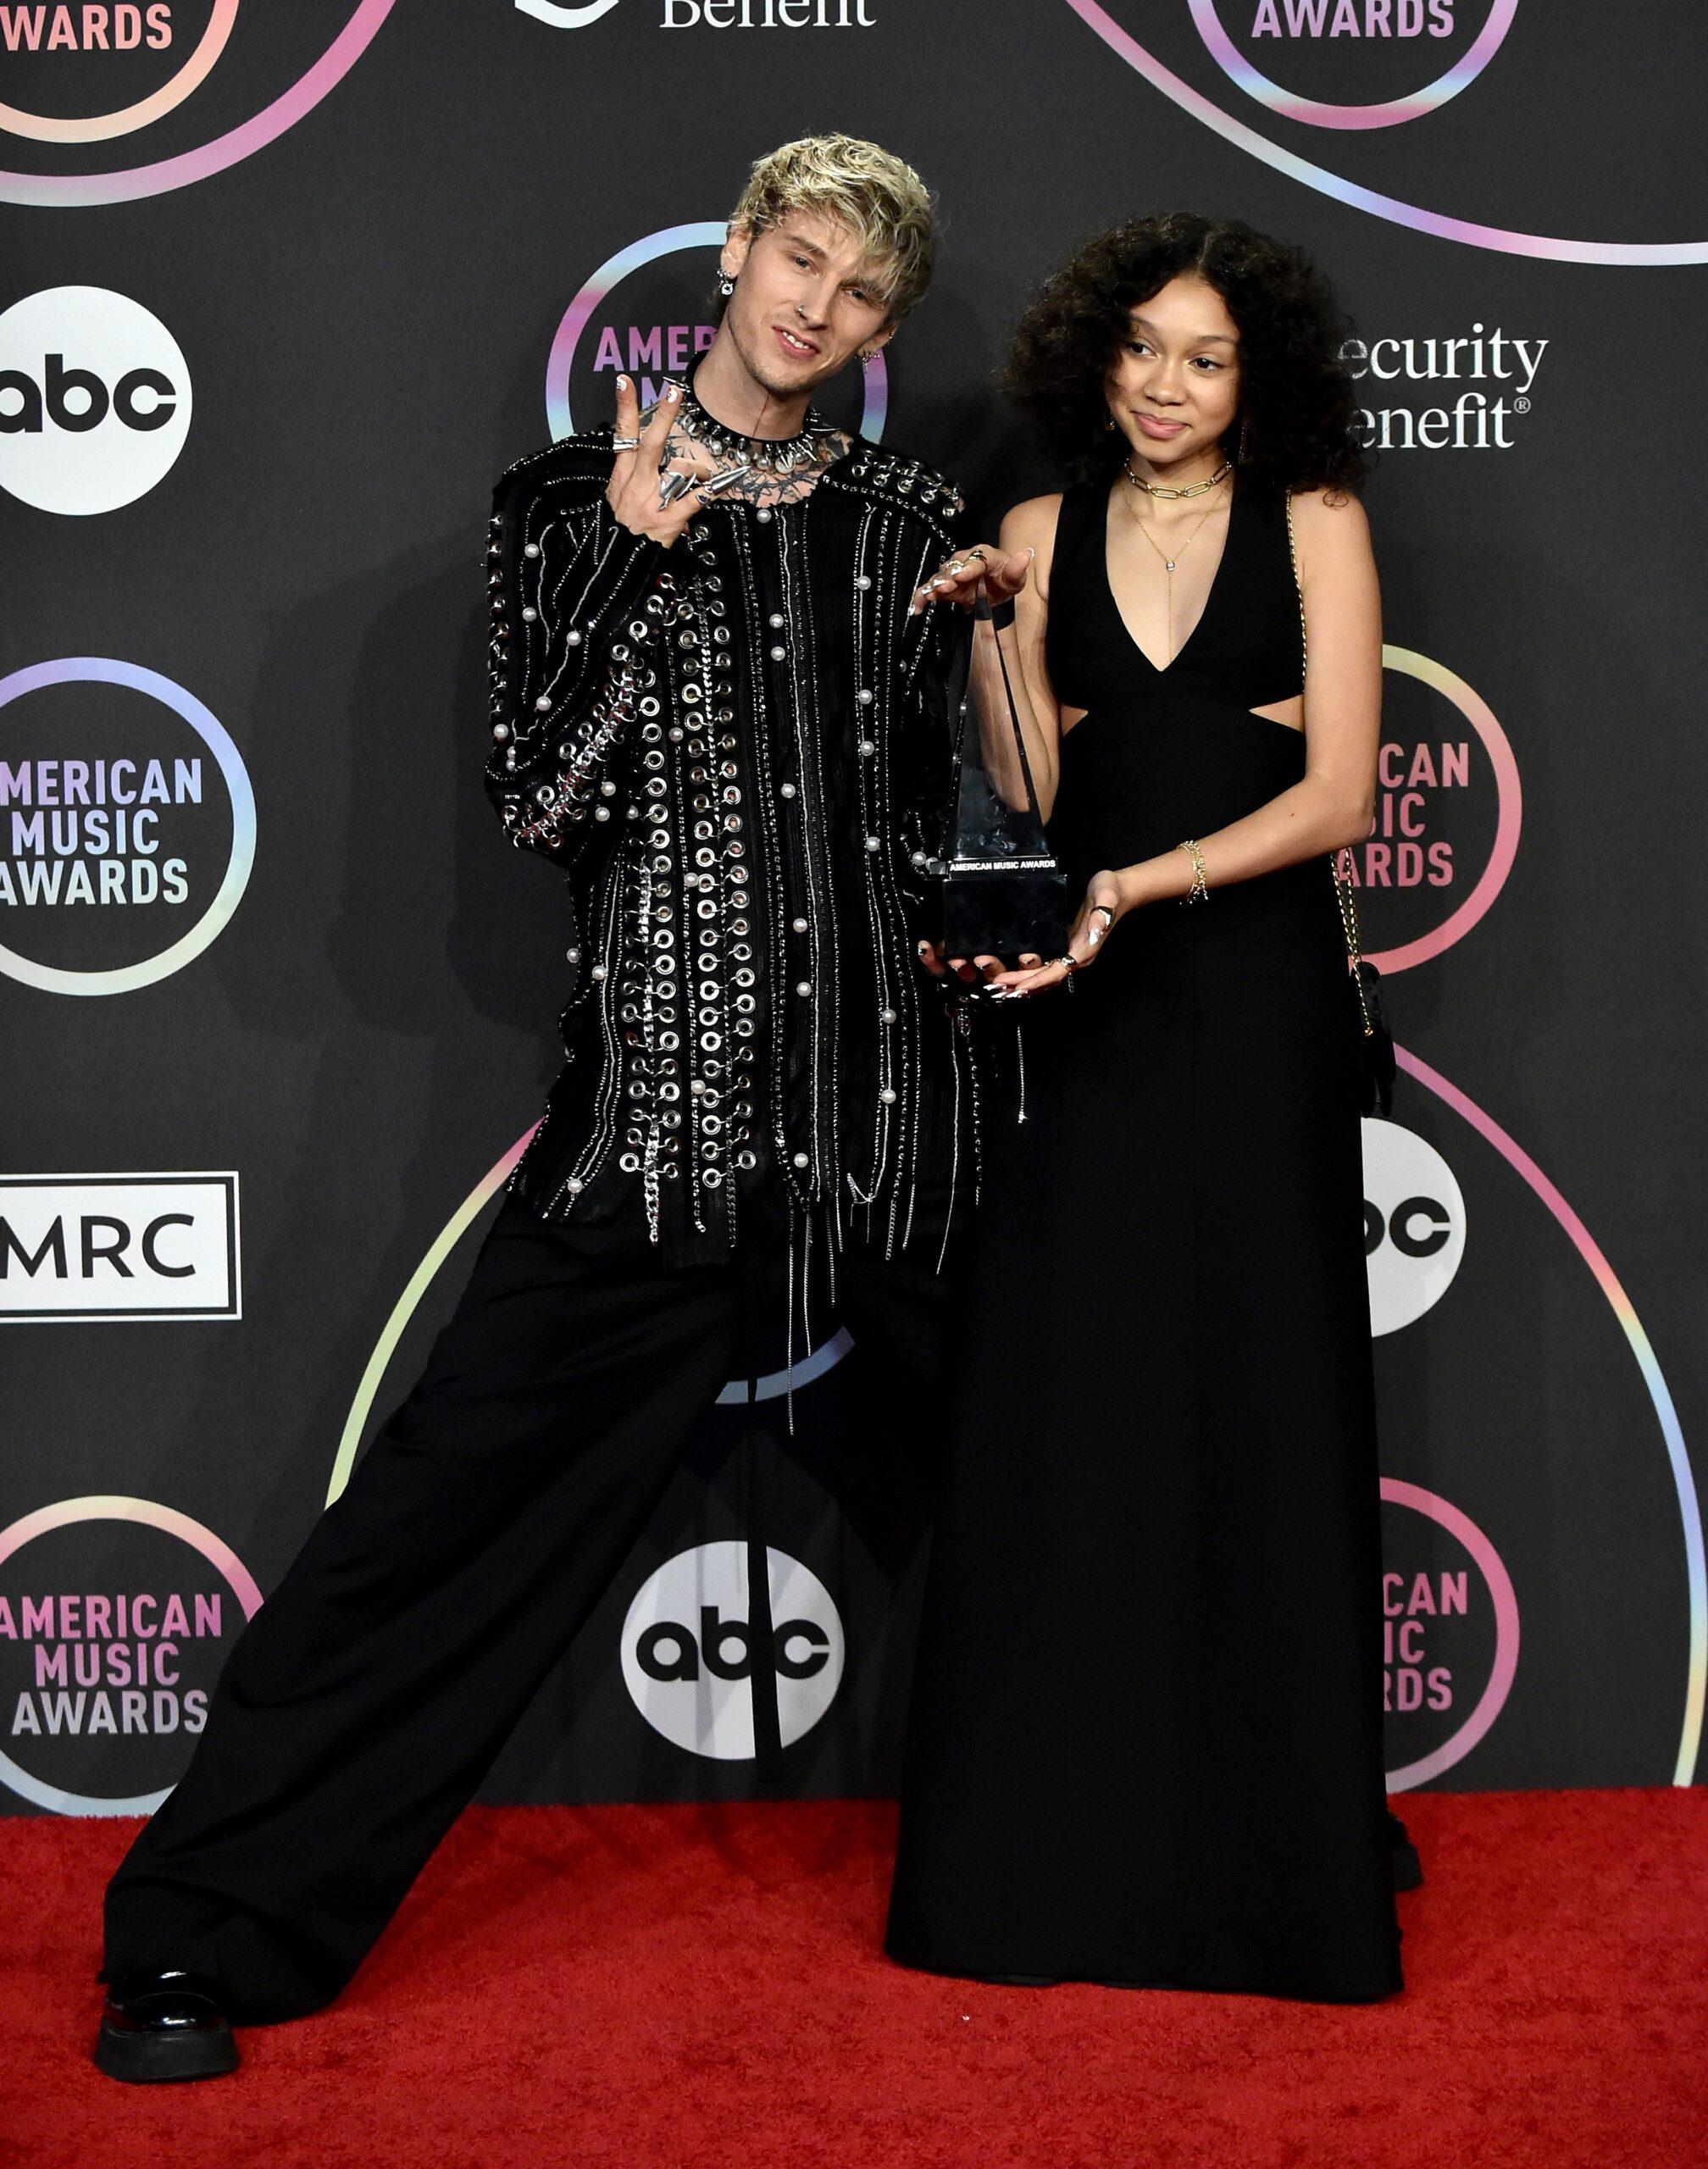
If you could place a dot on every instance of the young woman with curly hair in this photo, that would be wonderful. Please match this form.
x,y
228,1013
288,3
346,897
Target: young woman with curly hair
x,y
1146,1744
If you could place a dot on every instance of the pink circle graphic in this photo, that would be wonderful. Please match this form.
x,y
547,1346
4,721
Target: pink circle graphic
x,y
1463,72
1509,817
79,190
1554,248
111,1508
705,233
1493,1570
102,127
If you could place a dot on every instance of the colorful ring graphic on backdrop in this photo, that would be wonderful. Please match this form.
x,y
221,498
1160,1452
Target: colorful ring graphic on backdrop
x,y
708,233
111,1508
1509,816
84,669
771,1383
1671,1432
1098,19
1492,1568
79,190
1464,71
404,1309
1648,1364
102,127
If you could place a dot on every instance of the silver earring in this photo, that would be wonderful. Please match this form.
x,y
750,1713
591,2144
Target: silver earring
x,y
726,284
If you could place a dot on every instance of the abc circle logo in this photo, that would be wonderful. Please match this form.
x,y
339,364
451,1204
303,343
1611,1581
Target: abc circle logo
x,y
1414,1225
690,1649
94,400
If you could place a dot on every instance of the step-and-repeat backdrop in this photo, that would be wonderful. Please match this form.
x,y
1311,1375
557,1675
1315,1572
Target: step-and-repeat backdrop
x,y
284,287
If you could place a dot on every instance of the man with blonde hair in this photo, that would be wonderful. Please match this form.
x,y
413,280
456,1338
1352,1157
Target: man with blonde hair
x,y
714,709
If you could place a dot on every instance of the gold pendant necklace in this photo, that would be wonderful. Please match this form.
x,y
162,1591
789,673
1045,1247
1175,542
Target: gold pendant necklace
x,y
1168,562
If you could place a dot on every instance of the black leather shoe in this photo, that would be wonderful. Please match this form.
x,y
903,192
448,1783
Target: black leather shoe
x,y
1408,1869
163,2026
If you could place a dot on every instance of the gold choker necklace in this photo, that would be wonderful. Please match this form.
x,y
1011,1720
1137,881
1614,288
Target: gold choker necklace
x,y
1192,489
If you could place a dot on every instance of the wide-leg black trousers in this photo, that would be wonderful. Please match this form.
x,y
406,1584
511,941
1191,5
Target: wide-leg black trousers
x,y
363,1703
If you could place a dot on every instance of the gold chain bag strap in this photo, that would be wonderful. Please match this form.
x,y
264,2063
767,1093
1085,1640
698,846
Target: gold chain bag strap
x,y
1376,1042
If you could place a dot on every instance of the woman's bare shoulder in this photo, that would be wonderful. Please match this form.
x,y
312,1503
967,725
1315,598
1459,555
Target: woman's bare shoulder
x,y
1031,525
1033,520
1330,520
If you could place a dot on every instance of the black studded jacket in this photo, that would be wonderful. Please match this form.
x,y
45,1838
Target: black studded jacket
x,y
739,751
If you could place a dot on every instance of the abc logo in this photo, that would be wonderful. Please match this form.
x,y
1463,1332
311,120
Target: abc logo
x,y
1414,1225
690,1649
94,399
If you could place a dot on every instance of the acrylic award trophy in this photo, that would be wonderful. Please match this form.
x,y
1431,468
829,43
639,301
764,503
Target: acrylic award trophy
x,y
999,890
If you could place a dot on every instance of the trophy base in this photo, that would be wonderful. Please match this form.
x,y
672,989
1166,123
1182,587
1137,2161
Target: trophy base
x,y
1007,912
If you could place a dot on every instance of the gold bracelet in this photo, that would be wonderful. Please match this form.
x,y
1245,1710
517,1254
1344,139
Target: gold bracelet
x,y
1201,887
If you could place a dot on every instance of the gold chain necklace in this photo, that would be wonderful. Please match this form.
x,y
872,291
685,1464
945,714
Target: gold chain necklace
x,y
1191,489
1168,562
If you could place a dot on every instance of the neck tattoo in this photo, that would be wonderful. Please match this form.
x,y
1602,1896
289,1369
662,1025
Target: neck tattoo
x,y
759,470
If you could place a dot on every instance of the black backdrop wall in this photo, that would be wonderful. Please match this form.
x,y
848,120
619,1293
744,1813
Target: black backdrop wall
x,y
278,1004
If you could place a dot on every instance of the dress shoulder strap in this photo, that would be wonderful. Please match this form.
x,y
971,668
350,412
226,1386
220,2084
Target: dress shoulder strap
x,y
1071,638
1079,519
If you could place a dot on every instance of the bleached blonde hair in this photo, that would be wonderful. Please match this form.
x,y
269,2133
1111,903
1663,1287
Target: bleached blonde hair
x,y
877,196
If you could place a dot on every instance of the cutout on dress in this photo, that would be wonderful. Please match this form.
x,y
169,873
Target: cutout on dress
x,y
1294,720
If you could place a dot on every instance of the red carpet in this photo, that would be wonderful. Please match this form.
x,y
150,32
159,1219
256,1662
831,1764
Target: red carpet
x,y
689,1987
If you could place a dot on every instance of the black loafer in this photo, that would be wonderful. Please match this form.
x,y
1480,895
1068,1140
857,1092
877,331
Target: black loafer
x,y
163,2026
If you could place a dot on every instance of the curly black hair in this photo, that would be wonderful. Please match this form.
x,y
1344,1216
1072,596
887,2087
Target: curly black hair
x,y
1298,418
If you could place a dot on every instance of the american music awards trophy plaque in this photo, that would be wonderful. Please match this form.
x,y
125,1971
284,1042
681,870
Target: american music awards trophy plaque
x,y
998,888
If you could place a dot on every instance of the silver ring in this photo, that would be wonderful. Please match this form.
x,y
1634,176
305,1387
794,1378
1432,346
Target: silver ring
x,y
673,484
725,478
625,443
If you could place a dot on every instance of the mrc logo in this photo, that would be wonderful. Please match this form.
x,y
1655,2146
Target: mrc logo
x,y
84,1247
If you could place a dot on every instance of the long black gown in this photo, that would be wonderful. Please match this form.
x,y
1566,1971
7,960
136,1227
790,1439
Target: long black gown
x,y
1145,1744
